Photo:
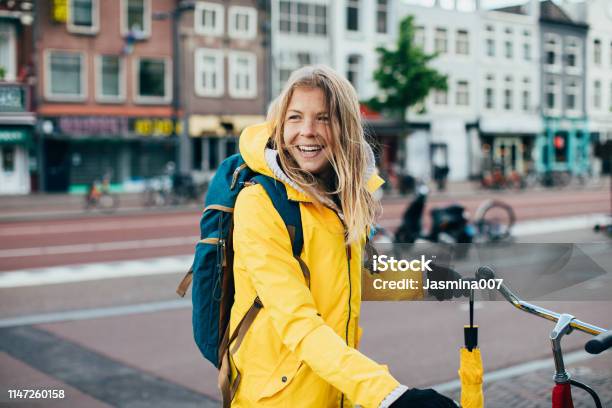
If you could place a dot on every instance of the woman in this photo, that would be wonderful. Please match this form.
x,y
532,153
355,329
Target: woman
x,y
301,349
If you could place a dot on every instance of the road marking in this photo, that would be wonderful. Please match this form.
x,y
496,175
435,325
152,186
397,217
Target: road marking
x,y
518,370
547,226
175,221
95,271
98,247
87,314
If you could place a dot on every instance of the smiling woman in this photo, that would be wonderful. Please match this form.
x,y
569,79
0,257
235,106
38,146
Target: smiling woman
x,y
302,310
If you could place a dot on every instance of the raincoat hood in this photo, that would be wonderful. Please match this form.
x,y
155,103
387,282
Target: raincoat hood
x,y
253,147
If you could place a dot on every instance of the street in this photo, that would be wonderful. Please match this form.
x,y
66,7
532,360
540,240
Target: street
x,y
96,295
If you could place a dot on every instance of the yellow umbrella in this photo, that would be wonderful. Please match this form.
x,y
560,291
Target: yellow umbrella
x,y
470,366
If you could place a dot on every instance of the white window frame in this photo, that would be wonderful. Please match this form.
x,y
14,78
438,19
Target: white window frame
x,y
99,86
458,91
462,39
153,100
573,43
578,95
11,69
47,88
556,67
251,14
219,55
231,59
596,52
125,30
80,29
354,67
198,26
438,37
357,5
382,8
508,90
419,38
440,97
527,46
597,94
526,90
556,91
489,84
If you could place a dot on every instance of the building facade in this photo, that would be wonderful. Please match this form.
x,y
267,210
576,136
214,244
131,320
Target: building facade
x,y
448,120
564,145
508,86
104,92
17,117
225,80
599,80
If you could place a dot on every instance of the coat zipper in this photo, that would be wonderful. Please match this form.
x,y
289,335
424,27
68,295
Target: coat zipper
x,y
348,320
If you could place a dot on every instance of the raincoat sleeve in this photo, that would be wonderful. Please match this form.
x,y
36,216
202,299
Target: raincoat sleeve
x,y
262,240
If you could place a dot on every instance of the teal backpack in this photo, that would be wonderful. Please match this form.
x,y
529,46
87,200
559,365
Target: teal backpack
x,y
212,268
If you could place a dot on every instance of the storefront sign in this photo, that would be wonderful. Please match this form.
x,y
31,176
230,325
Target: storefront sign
x,y
110,126
60,11
13,136
12,98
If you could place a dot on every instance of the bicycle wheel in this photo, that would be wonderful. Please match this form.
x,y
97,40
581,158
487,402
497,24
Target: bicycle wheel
x,y
494,221
108,202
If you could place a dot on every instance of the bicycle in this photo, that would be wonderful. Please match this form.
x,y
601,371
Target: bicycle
x,y
99,196
565,324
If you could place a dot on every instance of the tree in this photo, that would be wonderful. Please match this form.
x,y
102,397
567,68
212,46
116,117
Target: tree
x,y
403,76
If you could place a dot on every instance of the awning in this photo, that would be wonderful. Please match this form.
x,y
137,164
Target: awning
x,y
221,125
11,136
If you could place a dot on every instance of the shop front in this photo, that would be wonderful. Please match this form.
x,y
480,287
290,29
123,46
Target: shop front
x,y
15,142
80,150
564,146
509,153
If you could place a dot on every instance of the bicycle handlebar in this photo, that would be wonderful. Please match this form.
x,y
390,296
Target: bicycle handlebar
x,y
600,343
487,272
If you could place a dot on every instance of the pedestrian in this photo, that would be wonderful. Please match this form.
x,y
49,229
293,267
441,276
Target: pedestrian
x,y
301,349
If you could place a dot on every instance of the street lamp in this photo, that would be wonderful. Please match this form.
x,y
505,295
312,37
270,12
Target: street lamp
x,y
183,154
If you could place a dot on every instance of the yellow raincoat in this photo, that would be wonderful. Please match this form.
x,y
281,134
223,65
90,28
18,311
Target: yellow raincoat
x,y
301,350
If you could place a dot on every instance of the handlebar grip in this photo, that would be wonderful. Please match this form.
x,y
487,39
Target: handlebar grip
x,y
485,272
599,343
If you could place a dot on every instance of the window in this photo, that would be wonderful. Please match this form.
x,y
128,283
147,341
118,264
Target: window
x,y
526,94
463,94
8,159
352,15
552,91
440,41
242,22
353,70
289,61
508,93
136,18
7,50
242,75
527,45
208,72
597,94
65,76
509,50
572,95
209,19
597,52
83,16
490,92
463,44
110,86
382,13
419,37
552,50
302,18
441,97
152,80
490,41
572,54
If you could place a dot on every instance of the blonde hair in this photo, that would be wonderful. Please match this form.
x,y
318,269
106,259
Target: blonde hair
x,y
349,150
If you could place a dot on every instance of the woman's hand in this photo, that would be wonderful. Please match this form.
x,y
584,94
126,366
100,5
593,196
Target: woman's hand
x,y
427,398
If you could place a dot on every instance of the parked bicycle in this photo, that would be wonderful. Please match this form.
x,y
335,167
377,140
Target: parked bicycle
x,y
99,196
174,189
565,324
492,221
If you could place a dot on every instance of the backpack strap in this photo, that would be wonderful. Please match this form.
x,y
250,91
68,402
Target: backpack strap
x,y
288,210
